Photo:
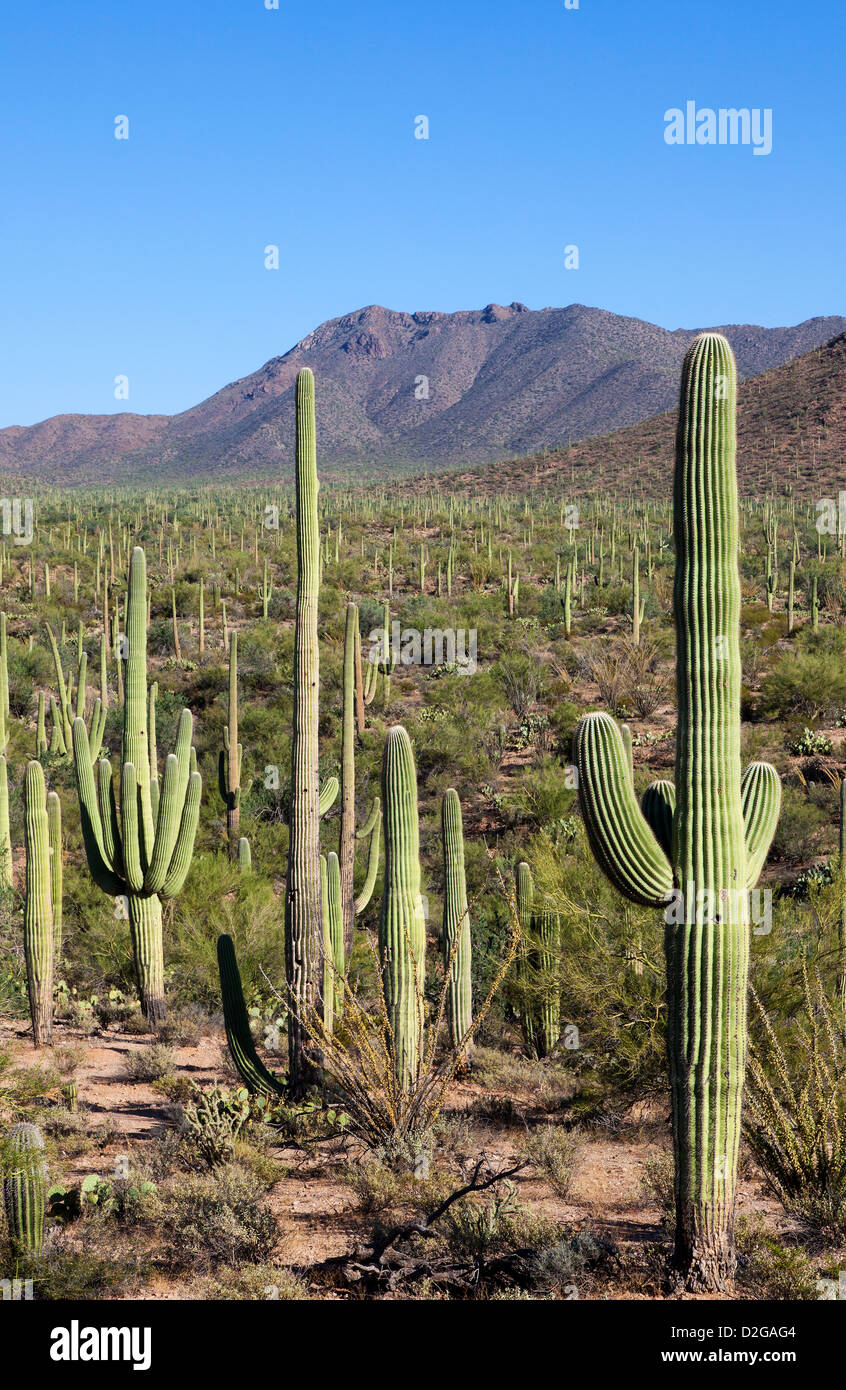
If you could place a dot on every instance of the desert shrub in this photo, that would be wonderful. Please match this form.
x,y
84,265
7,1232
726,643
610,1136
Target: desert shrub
x,y
553,1151
149,1063
795,1118
769,1269
221,1217
256,1282
657,1182
798,827
810,684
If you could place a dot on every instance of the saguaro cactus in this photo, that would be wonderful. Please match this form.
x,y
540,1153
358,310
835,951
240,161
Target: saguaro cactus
x,y
722,825
402,925
38,908
24,1189
303,913
351,905
142,854
5,834
455,936
229,761
54,831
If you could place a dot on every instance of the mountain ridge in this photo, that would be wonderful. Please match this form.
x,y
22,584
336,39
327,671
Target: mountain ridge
x,y
503,381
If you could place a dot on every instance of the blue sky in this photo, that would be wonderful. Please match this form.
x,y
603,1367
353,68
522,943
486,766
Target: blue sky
x,y
295,127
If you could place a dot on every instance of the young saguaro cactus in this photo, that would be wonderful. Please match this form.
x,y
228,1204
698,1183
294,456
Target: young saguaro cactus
x,y
722,825
229,761
303,912
402,924
143,852
24,1189
455,936
38,907
351,905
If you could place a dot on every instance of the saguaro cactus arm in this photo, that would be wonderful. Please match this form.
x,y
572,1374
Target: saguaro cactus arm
x,y
373,828
760,795
658,804
100,862
250,1067
620,837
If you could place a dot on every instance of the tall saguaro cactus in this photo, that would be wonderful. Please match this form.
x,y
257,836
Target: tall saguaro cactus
x,y
722,825
402,925
142,853
303,912
229,762
38,907
456,943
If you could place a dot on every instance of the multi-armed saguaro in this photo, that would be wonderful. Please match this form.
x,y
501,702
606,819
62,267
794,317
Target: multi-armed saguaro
x,y
143,853
696,848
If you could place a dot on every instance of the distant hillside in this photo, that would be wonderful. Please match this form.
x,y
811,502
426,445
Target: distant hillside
x,y
501,382
791,430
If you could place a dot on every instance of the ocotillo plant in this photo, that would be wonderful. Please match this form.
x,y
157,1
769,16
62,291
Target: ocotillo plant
x,y
721,827
229,761
455,936
303,913
140,854
24,1189
402,925
38,909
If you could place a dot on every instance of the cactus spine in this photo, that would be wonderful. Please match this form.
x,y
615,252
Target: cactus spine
x,y
722,825
303,912
140,854
24,1189
455,939
402,926
38,909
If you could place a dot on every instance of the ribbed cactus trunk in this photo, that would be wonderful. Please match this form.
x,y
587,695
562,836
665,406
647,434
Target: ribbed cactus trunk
x,y
25,1189
229,769
5,833
525,895
455,938
38,909
54,828
402,925
549,1008
346,843
303,913
696,848
707,960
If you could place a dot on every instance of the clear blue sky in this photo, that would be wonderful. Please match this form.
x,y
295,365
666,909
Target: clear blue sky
x,y
251,126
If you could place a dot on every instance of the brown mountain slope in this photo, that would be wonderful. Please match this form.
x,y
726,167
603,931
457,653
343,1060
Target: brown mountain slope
x,y
501,381
791,434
